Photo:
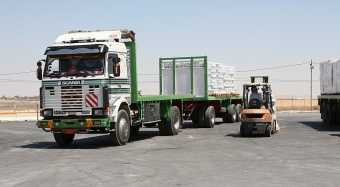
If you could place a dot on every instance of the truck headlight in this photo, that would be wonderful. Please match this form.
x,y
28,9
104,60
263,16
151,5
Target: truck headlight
x,y
97,112
47,113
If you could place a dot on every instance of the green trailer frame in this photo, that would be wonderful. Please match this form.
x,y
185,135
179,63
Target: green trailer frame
x,y
166,101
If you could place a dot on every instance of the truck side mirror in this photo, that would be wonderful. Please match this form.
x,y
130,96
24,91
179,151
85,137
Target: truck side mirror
x,y
116,66
39,69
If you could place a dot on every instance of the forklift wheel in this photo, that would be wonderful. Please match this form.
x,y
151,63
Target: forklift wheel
x,y
268,132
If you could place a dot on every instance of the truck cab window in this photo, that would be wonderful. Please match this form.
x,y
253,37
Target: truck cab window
x,y
115,65
74,65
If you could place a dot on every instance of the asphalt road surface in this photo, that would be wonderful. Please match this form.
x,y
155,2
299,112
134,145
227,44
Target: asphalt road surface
x,y
304,153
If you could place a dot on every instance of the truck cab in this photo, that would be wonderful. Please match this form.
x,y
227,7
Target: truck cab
x,y
85,80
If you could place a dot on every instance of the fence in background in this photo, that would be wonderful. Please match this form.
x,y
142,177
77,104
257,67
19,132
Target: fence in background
x,y
296,104
8,107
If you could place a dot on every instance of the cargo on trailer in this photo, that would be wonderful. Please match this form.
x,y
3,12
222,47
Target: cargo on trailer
x,y
195,76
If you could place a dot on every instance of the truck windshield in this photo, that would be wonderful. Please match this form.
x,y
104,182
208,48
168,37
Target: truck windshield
x,y
74,65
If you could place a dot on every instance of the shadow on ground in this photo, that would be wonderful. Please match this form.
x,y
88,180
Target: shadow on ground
x,y
237,135
318,125
234,135
189,125
94,142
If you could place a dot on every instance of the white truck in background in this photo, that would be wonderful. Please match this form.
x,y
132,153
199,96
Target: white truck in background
x,y
329,100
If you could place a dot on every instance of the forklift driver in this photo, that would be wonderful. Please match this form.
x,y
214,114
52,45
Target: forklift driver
x,y
255,99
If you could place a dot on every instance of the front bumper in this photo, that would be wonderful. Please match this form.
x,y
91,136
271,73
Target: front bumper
x,y
83,123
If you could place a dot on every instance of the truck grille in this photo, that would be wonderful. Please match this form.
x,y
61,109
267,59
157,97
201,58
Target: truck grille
x,y
71,98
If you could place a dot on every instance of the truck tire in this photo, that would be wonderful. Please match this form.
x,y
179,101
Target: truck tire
x,y
329,115
326,119
209,117
171,126
201,116
121,134
63,139
194,117
238,109
268,131
334,114
230,115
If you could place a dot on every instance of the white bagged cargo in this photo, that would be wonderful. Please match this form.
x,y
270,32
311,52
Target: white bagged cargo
x,y
195,76
220,78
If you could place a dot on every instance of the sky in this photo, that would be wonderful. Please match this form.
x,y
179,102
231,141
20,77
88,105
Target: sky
x,y
245,34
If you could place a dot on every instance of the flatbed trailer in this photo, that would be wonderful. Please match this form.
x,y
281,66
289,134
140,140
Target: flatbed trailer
x,y
107,100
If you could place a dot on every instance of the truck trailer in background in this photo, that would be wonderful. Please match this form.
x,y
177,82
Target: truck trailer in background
x,y
329,100
89,85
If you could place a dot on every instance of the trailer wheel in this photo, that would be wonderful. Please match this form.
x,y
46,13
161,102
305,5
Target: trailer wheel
x,y
171,126
230,115
268,132
201,116
209,117
326,117
329,115
63,139
333,115
194,117
121,135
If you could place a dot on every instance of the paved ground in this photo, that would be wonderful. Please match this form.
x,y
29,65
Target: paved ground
x,y
302,154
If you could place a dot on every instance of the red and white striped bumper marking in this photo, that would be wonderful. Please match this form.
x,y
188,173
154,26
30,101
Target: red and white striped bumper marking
x,y
91,100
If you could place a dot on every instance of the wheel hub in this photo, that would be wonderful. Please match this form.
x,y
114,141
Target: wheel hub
x,y
123,128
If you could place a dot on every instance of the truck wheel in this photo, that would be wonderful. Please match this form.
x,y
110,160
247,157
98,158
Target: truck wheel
x,y
230,115
194,117
334,115
326,118
62,139
209,117
268,132
121,134
134,132
201,116
171,126
238,109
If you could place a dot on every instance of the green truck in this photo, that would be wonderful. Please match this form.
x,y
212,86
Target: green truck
x,y
90,85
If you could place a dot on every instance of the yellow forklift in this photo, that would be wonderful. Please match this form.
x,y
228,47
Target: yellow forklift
x,y
259,112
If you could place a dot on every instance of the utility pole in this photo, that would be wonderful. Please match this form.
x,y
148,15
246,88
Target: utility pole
x,y
311,84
